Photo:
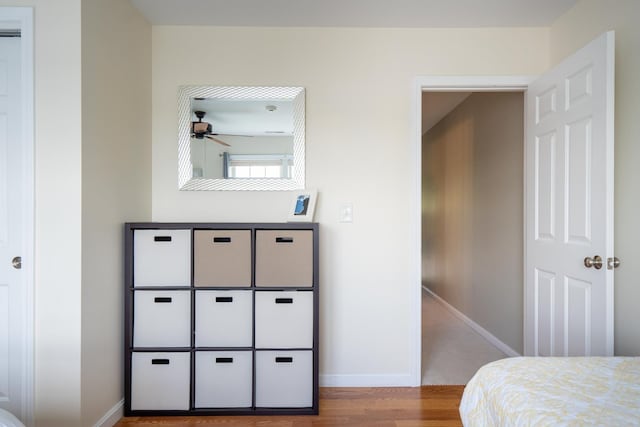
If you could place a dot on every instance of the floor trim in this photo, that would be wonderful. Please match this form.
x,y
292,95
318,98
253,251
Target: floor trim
x,y
112,416
473,325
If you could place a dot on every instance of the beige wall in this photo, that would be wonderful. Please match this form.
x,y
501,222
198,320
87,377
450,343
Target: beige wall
x,y
73,269
116,184
58,212
472,212
577,27
359,149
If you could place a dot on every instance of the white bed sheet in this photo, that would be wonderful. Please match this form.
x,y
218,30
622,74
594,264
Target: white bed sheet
x,y
554,391
8,420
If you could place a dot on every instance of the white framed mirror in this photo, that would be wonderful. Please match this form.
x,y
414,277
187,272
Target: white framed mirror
x,y
241,138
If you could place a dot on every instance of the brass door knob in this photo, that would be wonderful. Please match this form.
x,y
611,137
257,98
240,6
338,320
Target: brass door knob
x,y
595,262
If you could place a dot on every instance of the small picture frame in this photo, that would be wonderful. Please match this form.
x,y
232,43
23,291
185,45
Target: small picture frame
x,y
303,205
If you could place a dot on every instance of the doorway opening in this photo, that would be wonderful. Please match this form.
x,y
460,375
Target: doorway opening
x,y
452,93
472,222
568,188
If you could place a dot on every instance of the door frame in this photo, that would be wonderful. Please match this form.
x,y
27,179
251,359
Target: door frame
x,y
450,84
21,18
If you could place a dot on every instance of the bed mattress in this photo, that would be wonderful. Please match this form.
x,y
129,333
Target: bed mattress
x,y
8,420
554,391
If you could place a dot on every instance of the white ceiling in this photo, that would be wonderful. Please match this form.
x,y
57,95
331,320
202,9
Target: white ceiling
x,y
247,117
355,13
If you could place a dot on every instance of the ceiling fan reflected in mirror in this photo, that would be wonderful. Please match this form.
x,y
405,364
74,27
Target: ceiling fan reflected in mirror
x,y
201,130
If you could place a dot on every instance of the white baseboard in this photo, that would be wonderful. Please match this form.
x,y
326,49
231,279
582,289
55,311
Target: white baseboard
x,y
473,325
390,380
112,416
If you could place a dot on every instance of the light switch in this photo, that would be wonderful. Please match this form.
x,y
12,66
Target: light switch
x,y
346,212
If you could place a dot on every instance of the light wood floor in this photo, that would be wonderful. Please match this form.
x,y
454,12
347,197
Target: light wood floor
x,y
379,407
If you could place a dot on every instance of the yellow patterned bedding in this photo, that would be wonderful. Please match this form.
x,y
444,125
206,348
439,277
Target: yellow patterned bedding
x,y
554,391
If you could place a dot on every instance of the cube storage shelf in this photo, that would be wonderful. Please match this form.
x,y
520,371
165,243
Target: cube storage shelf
x,y
221,318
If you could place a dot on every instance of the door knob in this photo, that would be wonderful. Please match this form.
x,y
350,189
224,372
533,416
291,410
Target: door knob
x,y
16,262
595,262
613,263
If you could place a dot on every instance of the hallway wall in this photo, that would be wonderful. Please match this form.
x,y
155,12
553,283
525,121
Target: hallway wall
x,y
472,218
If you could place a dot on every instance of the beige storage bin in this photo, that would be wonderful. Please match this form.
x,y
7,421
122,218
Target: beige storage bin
x,y
222,258
284,258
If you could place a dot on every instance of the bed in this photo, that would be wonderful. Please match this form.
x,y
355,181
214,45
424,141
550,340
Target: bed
x,y
554,391
8,420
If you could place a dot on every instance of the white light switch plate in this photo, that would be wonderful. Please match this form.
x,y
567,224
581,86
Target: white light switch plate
x,y
346,212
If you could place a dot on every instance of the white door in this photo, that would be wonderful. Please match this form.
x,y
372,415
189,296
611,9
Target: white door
x,y
569,206
12,296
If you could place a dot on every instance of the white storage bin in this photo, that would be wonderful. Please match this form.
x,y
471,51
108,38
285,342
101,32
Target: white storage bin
x,y
224,319
160,381
161,258
162,318
224,379
284,319
284,379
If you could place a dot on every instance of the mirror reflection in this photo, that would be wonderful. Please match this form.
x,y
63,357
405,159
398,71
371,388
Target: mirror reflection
x,y
241,138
